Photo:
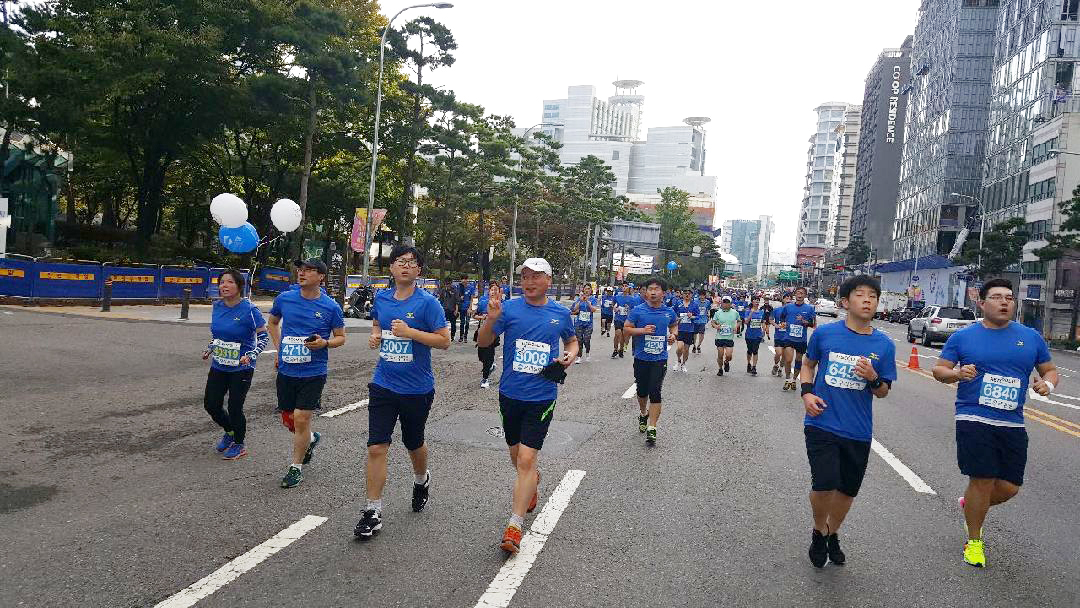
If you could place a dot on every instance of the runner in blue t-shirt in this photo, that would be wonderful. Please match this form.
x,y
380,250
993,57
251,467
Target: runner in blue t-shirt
x,y
623,303
754,327
654,327
848,363
304,324
486,354
533,327
688,310
607,310
701,321
466,291
796,319
237,336
406,323
996,357
582,310
780,338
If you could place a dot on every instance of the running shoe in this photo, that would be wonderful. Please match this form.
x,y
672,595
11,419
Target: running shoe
x,y
536,494
485,383
614,354
836,556
776,370
650,436
621,354
226,441
311,447
578,361
753,371
974,553
511,541
235,452
819,551
420,495
588,357
720,372
292,478
369,525
642,423
749,369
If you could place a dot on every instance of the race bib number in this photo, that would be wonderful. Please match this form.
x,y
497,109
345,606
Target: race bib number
x,y
531,357
1000,392
621,311
726,330
225,353
840,372
394,349
584,316
607,304
293,350
795,331
654,345
684,317
755,323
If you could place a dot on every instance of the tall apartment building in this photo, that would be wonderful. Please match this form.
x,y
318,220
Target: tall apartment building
x,y
1035,108
881,139
946,120
812,231
843,189
748,240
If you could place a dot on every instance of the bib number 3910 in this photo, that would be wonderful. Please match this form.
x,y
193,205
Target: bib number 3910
x,y
1000,392
293,350
531,357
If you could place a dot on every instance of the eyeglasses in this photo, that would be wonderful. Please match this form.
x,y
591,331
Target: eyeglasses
x,y
406,263
997,297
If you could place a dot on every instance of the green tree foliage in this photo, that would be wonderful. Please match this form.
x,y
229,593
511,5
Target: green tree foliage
x,y
679,235
857,252
1064,244
1002,247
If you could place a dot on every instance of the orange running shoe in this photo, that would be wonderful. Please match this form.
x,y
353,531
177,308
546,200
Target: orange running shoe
x,y
536,494
511,542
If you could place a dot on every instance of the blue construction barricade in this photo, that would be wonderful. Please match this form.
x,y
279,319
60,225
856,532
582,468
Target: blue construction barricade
x,y
174,279
214,273
17,276
274,279
135,282
67,280
352,283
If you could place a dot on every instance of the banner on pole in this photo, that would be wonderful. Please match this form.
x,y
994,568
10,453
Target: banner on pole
x,y
359,227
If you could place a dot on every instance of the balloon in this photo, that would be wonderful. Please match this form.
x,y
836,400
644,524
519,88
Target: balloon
x,y
672,265
239,240
286,215
229,210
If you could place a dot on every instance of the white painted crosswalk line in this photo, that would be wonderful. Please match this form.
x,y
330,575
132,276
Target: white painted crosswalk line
x,y
345,409
630,392
232,570
907,474
506,582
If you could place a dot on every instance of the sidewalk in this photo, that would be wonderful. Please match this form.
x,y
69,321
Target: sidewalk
x,y
198,314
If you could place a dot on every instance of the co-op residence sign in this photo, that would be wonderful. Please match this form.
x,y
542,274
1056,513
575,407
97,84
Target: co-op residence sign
x,y
894,100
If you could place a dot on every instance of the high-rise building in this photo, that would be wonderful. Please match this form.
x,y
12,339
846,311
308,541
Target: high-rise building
x,y
748,240
812,231
945,125
881,139
674,157
843,187
1034,109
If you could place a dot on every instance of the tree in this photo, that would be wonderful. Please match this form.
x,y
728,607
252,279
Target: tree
x,y
679,234
1002,247
857,251
1065,245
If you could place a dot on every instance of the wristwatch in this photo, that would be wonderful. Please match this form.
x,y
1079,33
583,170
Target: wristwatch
x,y
876,383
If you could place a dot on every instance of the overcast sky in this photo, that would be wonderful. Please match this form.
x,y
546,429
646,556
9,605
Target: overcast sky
x,y
757,69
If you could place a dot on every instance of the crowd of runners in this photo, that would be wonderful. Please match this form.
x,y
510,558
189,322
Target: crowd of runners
x,y
839,369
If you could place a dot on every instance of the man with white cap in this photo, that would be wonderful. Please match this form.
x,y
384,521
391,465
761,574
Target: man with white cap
x,y
533,327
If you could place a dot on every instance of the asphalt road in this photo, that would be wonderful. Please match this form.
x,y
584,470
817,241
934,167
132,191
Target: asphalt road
x,y
111,493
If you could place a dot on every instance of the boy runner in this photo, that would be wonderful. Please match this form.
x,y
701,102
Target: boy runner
x,y
796,319
532,327
304,323
996,357
406,323
858,363
702,320
623,303
582,311
725,321
755,331
687,309
653,326
780,342
607,308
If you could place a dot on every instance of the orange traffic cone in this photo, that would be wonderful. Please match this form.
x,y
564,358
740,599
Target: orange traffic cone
x,y
913,362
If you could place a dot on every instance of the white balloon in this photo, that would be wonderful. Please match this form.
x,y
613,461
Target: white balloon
x,y
229,210
286,215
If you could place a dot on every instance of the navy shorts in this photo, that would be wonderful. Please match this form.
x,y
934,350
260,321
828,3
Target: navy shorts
x,y
686,337
752,345
385,407
525,422
780,343
296,393
699,328
724,343
649,378
604,317
836,463
991,452
619,323
800,347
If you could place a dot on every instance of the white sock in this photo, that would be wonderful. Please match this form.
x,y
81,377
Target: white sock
x,y
312,440
374,504
299,466
422,478
650,428
518,521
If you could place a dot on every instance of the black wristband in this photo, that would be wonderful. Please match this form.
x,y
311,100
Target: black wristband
x,y
807,387
876,383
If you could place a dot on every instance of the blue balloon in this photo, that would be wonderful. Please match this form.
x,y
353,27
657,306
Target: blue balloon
x,y
672,265
241,239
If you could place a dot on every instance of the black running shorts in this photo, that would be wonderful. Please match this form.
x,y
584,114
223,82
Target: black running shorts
x,y
752,345
991,452
836,463
385,407
296,393
525,422
619,324
686,337
724,343
649,376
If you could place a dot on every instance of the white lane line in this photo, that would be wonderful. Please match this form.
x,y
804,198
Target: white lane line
x,y
630,392
1037,397
230,571
8,313
909,476
506,582
1064,368
270,350
344,409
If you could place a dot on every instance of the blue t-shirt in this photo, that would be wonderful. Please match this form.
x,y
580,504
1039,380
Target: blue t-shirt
x,y
740,307
687,315
652,347
703,312
781,334
797,318
482,304
754,321
622,306
1004,359
836,348
232,334
532,338
583,316
404,365
300,318
467,292
607,306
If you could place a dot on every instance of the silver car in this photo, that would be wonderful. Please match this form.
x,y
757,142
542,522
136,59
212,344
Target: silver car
x,y
937,323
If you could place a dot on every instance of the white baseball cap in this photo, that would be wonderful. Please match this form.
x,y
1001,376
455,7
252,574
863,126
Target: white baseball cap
x,y
537,264
726,299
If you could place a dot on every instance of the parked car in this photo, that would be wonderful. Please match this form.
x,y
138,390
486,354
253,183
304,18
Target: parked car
x,y
937,323
826,307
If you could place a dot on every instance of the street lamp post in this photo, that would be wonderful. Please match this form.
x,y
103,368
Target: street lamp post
x,y
375,139
982,222
513,228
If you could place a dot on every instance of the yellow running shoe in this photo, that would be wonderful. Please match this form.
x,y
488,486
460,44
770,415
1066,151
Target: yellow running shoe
x,y
973,553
